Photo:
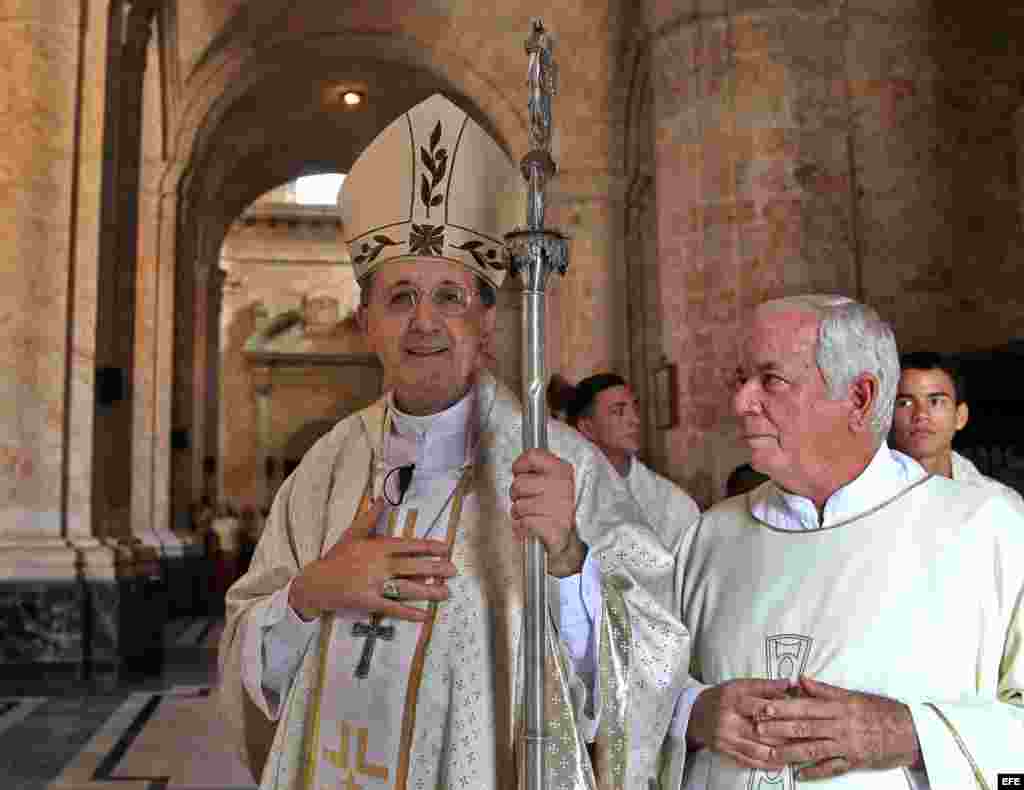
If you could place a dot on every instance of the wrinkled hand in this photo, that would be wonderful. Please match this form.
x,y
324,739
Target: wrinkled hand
x,y
839,731
723,720
543,497
352,573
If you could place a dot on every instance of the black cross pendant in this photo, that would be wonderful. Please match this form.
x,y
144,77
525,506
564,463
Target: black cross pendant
x,y
371,631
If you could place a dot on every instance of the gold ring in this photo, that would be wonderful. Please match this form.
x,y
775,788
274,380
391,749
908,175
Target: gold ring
x,y
391,591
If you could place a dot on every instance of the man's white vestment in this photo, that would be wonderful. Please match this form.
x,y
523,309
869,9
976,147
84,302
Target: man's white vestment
x,y
965,471
917,597
458,718
670,511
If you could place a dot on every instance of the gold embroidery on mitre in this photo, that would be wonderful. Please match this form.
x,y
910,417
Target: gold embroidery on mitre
x,y
432,184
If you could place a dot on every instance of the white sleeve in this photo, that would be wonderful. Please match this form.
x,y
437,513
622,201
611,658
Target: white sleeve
x,y
274,640
684,707
580,602
580,614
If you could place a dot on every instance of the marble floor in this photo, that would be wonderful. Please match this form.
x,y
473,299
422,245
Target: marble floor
x,y
157,733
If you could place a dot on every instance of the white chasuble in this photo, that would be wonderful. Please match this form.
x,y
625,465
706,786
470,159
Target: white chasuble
x,y
918,599
440,705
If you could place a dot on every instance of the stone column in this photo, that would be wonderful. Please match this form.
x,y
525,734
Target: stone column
x,y
116,296
1018,120
203,335
156,289
48,271
791,139
591,299
54,84
640,256
215,303
184,405
262,382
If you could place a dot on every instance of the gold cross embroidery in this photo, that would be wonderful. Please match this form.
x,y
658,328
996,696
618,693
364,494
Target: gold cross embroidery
x,y
340,758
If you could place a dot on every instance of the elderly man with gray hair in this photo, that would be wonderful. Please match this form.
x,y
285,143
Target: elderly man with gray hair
x,y
855,619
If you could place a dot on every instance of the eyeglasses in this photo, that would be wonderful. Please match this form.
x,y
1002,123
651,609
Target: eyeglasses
x,y
448,299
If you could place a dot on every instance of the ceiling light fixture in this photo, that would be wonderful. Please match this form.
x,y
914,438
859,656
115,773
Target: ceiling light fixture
x,y
352,98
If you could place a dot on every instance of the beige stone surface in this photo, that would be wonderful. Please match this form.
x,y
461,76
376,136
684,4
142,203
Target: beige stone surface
x,y
37,68
160,511
86,229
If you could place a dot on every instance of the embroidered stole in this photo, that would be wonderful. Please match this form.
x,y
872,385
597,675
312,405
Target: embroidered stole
x,y
359,730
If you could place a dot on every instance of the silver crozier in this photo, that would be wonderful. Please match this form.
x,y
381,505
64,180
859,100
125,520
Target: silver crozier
x,y
534,253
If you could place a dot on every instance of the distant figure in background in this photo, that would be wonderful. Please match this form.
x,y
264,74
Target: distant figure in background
x,y
931,406
604,409
742,479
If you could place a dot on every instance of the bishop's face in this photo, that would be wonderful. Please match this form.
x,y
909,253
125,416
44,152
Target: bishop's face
x,y
430,351
789,422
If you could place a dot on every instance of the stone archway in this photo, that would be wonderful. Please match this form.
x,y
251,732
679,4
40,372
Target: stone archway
x,y
222,174
228,136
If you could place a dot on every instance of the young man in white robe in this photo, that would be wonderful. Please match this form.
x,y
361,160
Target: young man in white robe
x,y
887,601
375,641
931,408
604,409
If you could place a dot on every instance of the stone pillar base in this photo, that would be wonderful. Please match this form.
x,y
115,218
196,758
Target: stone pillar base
x,y
74,613
187,574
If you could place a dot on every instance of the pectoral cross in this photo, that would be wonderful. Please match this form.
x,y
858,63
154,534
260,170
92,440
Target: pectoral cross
x,y
371,631
374,629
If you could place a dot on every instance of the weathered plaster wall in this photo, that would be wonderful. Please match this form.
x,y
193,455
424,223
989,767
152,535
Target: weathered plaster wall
x,y
861,148
53,75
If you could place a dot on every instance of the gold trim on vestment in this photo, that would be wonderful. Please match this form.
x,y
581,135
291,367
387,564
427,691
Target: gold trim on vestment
x,y
565,758
979,777
326,630
409,528
858,517
412,689
611,742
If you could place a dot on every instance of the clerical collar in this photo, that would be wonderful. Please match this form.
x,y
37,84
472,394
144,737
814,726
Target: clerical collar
x,y
434,442
888,473
451,420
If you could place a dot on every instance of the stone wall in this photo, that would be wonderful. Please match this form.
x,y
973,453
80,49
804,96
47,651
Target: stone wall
x,y
980,62
859,148
47,333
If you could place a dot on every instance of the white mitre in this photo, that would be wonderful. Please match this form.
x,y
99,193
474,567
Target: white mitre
x,y
432,184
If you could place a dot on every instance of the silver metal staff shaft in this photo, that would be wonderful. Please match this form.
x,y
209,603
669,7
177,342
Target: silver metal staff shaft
x,y
533,254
